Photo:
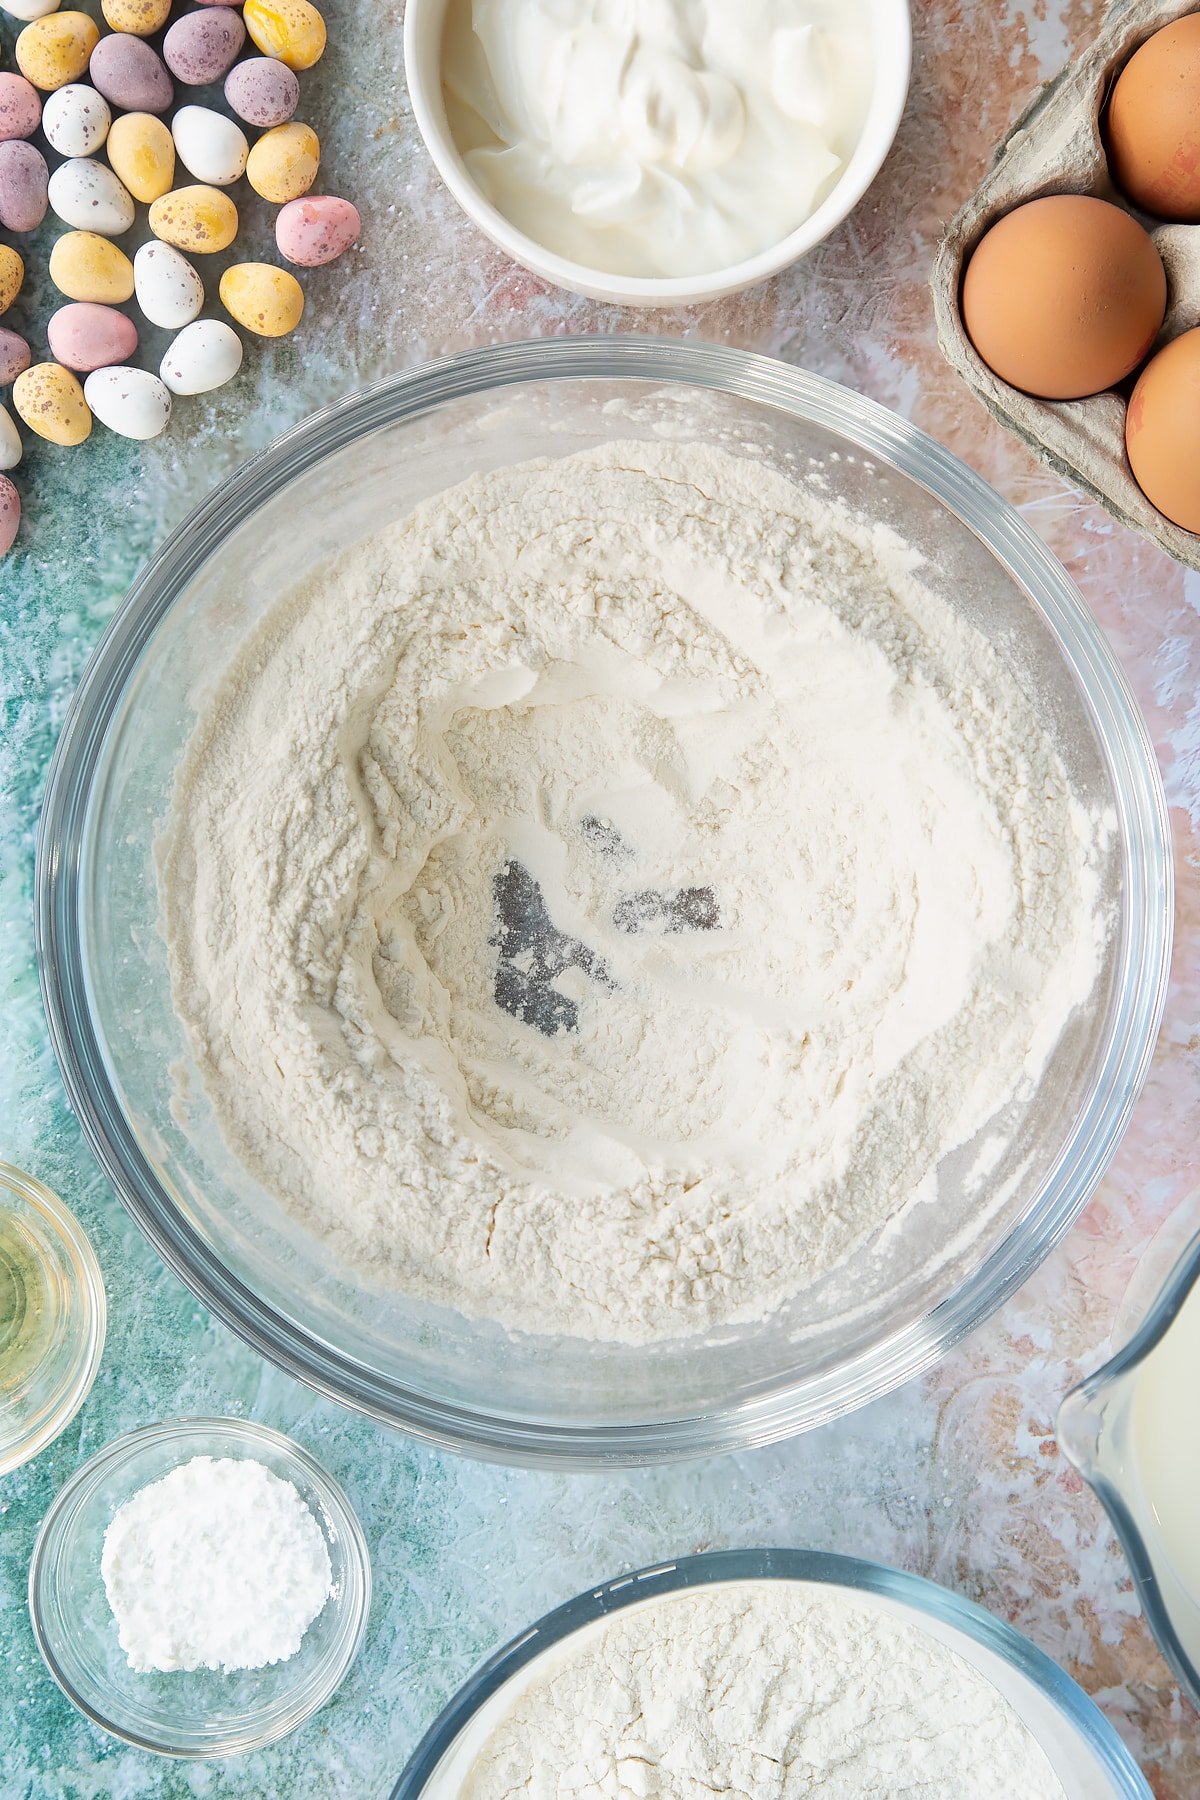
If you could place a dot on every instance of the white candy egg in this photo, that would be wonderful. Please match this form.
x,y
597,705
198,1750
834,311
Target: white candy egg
x,y
204,356
76,119
168,289
26,10
10,442
131,402
210,146
87,196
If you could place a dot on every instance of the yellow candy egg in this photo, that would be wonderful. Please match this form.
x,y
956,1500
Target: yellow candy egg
x,y
196,219
283,164
56,49
51,402
12,274
141,151
84,266
264,299
142,17
292,31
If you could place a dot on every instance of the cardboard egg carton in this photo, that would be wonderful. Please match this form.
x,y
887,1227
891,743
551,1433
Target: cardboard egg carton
x,y
1056,147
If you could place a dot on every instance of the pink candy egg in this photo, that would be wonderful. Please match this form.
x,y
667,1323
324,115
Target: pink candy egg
x,y
262,91
14,355
130,74
202,46
24,178
20,107
10,513
84,336
316,229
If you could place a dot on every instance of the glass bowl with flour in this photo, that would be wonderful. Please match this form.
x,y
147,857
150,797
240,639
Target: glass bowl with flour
x,y
776,1673
604,900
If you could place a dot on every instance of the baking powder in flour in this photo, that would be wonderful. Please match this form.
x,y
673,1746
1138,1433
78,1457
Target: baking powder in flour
x,y
772,1690
599,901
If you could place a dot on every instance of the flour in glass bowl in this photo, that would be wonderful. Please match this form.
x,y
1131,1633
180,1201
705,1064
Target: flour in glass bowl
x,y
774,1690
600,901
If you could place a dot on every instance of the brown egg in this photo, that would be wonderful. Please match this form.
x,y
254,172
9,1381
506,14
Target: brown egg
x,y
1162,431
1153,125
1064,296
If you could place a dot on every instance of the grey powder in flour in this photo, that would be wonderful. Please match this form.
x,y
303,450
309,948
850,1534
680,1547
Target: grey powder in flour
x,y
599,901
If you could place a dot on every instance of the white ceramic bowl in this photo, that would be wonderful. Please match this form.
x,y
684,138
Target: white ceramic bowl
x,y
890,31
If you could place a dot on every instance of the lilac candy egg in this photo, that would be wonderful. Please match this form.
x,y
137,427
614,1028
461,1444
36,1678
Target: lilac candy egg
x,y
262,91
24,178
14,356
20,107
130,74
316,229
84,337
203,46
10,514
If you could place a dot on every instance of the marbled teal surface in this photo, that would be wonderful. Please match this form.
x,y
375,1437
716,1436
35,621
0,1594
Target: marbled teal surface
x,y
957,1477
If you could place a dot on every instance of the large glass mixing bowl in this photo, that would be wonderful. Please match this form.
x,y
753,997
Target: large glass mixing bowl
x,y
347,472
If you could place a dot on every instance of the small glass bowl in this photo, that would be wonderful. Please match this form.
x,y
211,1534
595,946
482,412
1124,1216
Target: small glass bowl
x,y
52,1317
201,1712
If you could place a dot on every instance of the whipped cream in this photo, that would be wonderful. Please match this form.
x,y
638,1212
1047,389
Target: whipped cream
x,y
656,137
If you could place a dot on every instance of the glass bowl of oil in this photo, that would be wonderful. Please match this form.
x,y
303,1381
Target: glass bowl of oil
x,y
52,1316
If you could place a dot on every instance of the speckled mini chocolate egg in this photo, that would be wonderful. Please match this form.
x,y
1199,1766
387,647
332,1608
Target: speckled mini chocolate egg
x,y
14,355
51,402
203,46
210,146
24,179
266,300
20,106
292,30
10,441
12,274
205,355
1064,296
56,49
316,229
76,119
87,196
169,291
262,91
83,337
10,515
86,266
142,152
198,220
27,10
140,17
132,402
283,164
130,74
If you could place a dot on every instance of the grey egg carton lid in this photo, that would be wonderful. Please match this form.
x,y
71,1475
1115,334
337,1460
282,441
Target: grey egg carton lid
x,y
1055,147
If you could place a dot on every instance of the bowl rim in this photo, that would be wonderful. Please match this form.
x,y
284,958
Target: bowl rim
x,y
889,95
818,1567
250,1432
774,1411
92,1303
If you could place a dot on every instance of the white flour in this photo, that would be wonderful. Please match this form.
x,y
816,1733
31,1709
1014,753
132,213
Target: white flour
x,y
218,1565
765,1690
817,900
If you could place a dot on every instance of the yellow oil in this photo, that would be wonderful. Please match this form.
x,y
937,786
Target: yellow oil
x,y
29,1303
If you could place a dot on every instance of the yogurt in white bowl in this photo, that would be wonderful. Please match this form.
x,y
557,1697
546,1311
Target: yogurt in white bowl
x,y
651,152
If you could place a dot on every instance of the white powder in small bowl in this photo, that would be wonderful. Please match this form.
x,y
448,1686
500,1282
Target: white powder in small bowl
x,y
219,1565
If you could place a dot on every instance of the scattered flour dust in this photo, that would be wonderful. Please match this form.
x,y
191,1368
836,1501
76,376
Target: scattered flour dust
x,y
599,901
217,1565
773,1690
